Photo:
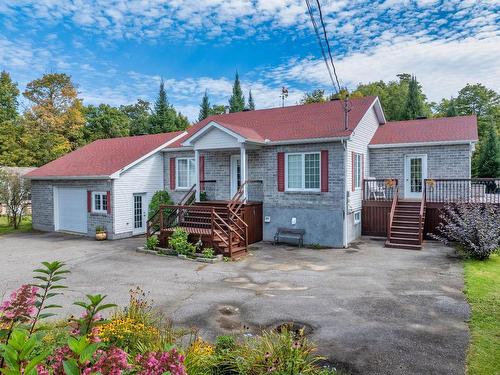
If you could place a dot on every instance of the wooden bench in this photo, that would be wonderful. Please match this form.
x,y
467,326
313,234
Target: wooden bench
x,y
290,233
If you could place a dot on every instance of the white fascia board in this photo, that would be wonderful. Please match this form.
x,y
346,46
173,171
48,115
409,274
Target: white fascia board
x,y
207,127
182,148
379,111
135,162
69,177
416,144
304,141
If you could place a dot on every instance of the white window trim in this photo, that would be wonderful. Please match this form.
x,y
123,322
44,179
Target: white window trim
x,y
189,184
358,220
303,171
358,162
101,193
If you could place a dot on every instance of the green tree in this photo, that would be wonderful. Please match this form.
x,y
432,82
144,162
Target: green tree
x,y
488,161
251,103
414,103
237,100
217,109
105,121
181,122
138,116
13,149
204,107
316,96
8,98
163,118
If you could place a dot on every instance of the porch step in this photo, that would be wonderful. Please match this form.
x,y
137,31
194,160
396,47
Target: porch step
x,y
404,229
402,246
405,240
402,223
404,234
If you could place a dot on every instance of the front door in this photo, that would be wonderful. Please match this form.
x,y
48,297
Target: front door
x,y
415,175
235,174
139,213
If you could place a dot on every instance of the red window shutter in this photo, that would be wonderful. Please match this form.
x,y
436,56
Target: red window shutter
x,y
89,201
353,175
324,170
108,196
172,173
281,171
201,166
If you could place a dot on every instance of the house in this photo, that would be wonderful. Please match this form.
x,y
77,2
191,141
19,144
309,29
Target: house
x,y
19,171
307,166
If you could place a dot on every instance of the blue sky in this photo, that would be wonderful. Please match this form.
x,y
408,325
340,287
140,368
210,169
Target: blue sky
x,y
117,50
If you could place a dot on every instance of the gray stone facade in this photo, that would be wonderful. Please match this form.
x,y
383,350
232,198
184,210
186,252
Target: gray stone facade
x,y
443,161
42,196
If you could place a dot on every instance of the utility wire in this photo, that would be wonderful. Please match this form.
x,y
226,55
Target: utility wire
x,y
315,26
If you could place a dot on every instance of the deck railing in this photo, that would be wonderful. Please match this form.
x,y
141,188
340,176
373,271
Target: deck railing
x,y
380,189
468,190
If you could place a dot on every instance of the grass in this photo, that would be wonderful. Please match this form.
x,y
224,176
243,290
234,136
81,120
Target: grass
x,y
5,228
482,280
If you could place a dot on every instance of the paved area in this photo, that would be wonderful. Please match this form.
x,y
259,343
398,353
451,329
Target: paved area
x,y
371,310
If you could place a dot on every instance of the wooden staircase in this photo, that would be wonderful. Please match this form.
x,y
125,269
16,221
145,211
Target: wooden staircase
x,y
406,222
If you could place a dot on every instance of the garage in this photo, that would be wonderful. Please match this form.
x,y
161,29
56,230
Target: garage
x,y
71,210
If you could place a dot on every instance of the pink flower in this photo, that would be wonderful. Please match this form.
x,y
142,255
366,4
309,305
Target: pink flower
x,y
154,363
41,370
21,305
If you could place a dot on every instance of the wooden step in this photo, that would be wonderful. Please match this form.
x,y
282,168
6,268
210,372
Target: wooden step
x,y
405,240
409,223
404,234
402,246
404,228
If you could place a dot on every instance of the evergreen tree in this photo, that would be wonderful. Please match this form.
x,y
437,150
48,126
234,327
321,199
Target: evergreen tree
x,y
451,111
251,103
204,107
163,118
414,102
237,100
488,162
181,122
8,98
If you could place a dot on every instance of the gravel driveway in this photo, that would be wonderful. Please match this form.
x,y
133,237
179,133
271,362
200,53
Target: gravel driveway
x,y
371,310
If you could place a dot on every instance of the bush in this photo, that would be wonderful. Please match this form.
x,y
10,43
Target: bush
x,y
152,242
159,198
474,227
224,343
180,243
208,253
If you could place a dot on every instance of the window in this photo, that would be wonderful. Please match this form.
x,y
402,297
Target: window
x,y
99,202
358,165
185,173
357,217
302,171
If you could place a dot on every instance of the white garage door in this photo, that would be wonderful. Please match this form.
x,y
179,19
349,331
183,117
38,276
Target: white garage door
x,y
72,209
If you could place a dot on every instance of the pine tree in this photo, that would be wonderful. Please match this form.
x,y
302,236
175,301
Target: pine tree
x,y
251,103
237,100
8,98
488,163
163,118
414,104
204,107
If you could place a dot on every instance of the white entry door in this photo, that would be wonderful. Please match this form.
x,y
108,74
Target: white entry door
x,y
71,210
415,174
235,174
139,213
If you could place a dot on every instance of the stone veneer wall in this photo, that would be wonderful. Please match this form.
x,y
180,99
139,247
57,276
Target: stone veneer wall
x,y
42,198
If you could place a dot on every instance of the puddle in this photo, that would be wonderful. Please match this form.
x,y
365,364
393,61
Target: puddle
x,y
245,283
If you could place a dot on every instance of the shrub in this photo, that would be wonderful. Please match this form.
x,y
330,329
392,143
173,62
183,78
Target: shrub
x,y
128,333
180,243
161,362
224,343
208,253
159,198
474,227
152,242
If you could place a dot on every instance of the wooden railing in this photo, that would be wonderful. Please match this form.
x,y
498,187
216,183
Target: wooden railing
x,y
393,210
381,189
421,216
468,190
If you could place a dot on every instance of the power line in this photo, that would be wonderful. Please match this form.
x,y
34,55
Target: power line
x,y
315,26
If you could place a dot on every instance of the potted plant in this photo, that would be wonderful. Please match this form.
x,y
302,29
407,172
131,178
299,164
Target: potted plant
x,y
100,233
390,183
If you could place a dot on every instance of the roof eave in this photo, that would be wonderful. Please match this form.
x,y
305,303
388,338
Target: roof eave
x,y
431,143
97,177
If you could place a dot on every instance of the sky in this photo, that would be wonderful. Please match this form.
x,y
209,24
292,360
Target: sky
x,y
118,51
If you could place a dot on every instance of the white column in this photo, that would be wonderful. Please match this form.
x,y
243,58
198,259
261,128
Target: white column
x,y
243,169
197,174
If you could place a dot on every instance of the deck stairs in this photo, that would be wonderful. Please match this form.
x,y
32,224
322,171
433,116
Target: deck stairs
x,y
406,228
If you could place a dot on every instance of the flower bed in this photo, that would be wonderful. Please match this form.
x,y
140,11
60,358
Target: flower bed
x,y
135,339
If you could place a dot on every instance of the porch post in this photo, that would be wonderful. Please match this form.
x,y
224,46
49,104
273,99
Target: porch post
x,y
197,174
243,169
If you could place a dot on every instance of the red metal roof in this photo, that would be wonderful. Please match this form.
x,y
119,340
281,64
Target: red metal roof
x,y
308,121
442,129
103,157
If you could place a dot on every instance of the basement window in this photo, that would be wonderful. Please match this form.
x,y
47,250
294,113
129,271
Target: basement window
x,y
357,217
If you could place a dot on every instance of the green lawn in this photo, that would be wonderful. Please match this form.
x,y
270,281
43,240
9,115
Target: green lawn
x,y
482,287
4,228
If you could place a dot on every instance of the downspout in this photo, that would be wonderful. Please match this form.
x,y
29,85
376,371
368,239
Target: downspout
x,y
345,227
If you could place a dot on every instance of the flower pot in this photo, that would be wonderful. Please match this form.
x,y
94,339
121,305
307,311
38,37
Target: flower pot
x,y
100,236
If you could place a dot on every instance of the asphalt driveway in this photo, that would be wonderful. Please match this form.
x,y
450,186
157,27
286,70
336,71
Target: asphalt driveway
x,y
371,310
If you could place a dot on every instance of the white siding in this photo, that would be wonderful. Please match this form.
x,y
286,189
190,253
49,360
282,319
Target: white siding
x,y
215,139
145,177
359,144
